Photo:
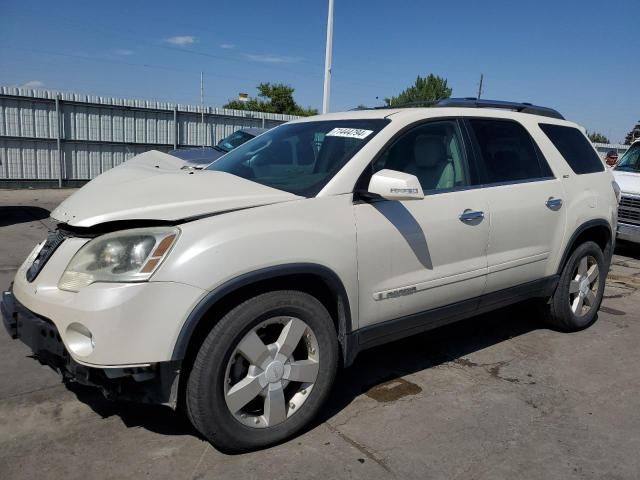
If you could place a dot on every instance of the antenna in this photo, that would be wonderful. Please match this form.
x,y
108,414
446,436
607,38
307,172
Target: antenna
x,y
204,132
480,86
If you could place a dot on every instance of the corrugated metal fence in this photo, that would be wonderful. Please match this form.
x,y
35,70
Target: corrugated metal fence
x,y
604,148
46,135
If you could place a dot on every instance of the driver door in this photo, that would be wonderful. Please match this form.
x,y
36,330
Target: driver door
x,y
419,255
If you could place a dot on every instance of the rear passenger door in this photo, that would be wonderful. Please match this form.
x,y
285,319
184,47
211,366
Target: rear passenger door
x,y
525,200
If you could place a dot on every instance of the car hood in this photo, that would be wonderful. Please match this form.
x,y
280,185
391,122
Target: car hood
x,y
629,182
148,187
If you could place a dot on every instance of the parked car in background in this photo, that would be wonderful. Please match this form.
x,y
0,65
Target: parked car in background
x,y
238,290
199,157
627,175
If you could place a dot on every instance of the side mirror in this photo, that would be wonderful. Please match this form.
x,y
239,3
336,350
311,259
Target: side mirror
x,y
394,185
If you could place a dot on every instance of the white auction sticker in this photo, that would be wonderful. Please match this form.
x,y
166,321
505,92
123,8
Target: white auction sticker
x,y
350,133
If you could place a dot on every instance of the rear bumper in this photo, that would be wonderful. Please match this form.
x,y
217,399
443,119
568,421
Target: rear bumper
x,y
628,232
154,383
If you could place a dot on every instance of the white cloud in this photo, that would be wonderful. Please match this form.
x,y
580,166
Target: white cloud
x,y
123,51
181,40
32,84
271,58
227,46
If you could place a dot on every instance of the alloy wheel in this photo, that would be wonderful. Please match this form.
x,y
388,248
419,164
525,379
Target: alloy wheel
x,y
271,372
583,288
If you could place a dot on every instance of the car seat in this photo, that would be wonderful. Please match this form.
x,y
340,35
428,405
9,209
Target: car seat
x,y
431,164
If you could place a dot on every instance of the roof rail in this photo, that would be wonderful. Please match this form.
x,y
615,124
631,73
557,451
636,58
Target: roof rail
x,y
523,107
472,102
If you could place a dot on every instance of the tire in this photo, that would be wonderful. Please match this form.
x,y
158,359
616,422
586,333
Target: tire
x,y
231,366
561,311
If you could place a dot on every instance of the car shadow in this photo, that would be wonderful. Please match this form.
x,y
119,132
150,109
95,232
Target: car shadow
x,y
371,369
12,215
404,222
628,249
155,418
384,364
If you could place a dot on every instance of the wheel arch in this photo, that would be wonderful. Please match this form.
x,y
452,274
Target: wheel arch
x,y
597,230
315,279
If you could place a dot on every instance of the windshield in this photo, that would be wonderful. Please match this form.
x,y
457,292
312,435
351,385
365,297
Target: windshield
x,y
202,155
234,140
630,162
299,158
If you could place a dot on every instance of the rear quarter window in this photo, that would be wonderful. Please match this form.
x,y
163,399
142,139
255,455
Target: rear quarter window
x,y
574,147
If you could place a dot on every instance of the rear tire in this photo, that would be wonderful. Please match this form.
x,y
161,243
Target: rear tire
x,y
575,303
263,371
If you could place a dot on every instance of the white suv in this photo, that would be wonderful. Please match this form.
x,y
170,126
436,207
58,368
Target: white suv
x,y
627,175
237,291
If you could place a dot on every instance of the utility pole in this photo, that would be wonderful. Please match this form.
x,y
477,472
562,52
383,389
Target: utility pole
x,y
327,61
202,108
480,86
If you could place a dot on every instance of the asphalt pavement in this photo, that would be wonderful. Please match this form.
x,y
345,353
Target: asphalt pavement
x,y
496,396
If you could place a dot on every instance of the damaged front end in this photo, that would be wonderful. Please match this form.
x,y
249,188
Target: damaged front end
x,y
155,383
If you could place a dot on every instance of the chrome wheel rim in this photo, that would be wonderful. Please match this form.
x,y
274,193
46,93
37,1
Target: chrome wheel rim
x,y
583,288
271,372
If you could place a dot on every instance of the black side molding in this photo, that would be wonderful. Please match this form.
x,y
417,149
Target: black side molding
x,y
391,330
330,278
581,229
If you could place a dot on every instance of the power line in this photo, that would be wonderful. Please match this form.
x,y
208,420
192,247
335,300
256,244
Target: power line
x,y
214,73
109,31
93,58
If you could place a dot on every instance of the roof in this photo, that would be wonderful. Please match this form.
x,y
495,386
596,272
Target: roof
x,y
447,107
429,112
523,107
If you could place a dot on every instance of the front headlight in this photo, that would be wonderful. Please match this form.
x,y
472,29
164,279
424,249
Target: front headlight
x,y
126,256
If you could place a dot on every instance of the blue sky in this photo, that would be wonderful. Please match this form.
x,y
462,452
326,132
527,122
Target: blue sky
x,y
580,57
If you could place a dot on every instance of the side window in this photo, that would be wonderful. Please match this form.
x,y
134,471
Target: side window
x,y
507,151
433,152
574,147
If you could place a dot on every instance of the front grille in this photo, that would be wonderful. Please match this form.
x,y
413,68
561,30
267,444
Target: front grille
x,y
54,240
629,210
630,202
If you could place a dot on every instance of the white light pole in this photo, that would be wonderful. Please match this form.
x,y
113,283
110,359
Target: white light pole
x,y
204,132
327,61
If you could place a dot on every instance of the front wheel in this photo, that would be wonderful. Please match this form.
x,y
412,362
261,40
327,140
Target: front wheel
x,y
575,303
263,371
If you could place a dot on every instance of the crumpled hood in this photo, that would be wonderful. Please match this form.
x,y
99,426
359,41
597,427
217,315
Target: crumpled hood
x,y
629,182
149,187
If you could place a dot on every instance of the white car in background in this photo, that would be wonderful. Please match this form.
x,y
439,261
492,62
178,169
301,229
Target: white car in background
x,y
627,175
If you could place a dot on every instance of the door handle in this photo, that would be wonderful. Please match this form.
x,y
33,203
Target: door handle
x,y
554,203
471,215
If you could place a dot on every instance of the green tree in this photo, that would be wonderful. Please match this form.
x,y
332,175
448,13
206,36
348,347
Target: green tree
x,y
273,98
427,89
596,137
634,134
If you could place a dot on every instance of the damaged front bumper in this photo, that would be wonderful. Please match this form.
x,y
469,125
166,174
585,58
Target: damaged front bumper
x,y
155,383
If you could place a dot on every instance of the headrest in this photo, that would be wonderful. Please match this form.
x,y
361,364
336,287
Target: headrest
x,y
429,151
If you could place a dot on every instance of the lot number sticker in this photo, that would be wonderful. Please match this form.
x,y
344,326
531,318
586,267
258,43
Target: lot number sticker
x,y
350,133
